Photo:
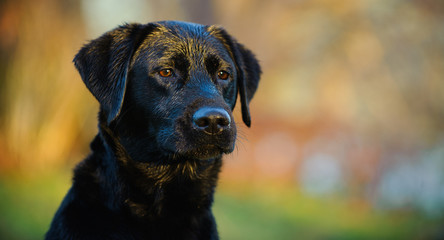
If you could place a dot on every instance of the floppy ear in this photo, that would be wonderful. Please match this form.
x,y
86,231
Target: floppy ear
x,y
247,67
247,84
103,65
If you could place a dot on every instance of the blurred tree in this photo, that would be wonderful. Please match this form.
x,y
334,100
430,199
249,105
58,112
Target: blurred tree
x,y
40,117
8,43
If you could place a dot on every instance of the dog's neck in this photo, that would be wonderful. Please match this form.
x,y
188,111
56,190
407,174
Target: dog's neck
x,y
157,186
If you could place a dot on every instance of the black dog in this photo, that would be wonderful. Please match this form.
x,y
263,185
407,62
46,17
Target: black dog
x,y
166,92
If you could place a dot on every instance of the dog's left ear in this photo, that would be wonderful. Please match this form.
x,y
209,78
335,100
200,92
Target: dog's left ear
x,y
247,66
103,65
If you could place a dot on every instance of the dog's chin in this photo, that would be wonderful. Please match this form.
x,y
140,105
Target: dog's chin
x,y
208,152
203,153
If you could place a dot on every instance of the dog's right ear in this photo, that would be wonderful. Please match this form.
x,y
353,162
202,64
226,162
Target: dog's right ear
x,y
103,64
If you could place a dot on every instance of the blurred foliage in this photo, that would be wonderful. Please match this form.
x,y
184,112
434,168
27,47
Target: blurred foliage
x,y
348,121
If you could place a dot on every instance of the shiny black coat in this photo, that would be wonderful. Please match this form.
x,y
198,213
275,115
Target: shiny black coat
x,y
153,166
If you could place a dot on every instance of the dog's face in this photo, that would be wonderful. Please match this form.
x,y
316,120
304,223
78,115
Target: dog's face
x,y
169,88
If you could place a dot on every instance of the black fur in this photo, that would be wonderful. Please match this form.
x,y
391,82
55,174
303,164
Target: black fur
x,y
151,173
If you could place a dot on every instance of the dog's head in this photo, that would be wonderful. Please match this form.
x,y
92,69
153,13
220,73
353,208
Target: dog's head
x,y
170,87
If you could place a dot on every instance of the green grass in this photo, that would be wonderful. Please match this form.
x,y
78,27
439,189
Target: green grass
x,y
27,205
287,214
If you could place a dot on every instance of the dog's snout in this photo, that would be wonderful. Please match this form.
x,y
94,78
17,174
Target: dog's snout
x,y
211,120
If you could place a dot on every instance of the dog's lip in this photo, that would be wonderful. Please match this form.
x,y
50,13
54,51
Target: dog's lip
x,y
202,152
224,148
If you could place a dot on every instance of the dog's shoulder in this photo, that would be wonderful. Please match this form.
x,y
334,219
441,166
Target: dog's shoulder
x,y
84,211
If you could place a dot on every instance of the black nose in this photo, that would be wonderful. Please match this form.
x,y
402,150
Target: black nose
x,y
211,120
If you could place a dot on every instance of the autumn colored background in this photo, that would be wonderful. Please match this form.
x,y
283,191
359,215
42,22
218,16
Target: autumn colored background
x,y
347,138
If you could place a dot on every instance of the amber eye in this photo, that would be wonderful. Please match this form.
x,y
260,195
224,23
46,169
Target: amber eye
x,y
223,75
166,72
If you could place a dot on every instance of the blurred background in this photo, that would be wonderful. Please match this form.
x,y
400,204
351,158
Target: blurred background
x,y
347,138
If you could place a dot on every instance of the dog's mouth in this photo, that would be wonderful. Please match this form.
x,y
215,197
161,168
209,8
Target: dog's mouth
x,y
190,140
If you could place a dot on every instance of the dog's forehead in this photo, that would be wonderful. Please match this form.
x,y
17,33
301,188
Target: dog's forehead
x,y
183,29
190,39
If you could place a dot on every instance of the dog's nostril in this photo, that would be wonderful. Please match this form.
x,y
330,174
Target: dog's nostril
x,y
211,120
222,121
202,122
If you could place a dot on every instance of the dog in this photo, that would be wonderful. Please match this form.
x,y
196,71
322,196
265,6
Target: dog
x,y
166,92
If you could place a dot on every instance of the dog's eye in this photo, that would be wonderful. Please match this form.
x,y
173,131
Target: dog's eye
x,y
166,72
223,75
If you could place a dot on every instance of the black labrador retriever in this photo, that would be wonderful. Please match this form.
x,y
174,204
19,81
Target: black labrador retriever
x,y
166,92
